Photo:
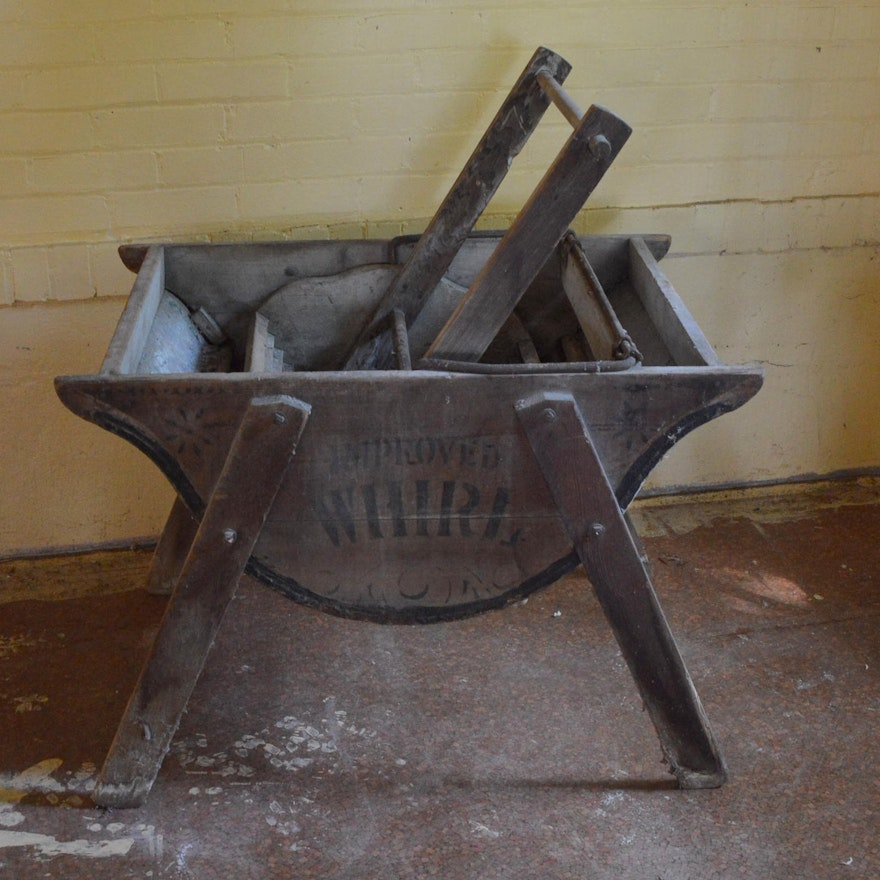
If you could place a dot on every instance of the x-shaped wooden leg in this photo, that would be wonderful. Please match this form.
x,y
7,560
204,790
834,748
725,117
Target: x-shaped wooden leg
x,y
561,442
252,474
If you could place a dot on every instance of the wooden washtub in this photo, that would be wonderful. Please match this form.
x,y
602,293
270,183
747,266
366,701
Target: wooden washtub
x,y
454,482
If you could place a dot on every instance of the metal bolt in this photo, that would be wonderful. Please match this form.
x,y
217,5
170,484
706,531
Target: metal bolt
x,y
550,415
230,536
279,418
599,146
597,529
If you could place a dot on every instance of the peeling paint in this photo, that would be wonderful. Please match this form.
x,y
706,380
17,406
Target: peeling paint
x,y
30,703
36,778
46,845
10,645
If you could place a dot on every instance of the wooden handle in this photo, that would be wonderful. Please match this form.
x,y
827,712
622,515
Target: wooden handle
x,y
554,91
464,203
531,238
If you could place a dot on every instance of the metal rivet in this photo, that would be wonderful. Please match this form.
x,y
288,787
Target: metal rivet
x,y
230,536
550,414
599,146
597,529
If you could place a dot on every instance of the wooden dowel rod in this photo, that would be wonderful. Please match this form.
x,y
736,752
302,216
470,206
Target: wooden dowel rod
x,y
401,340
561,99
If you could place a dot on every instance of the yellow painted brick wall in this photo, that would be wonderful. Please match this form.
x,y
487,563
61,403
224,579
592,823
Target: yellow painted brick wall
x,y
209,120
756,145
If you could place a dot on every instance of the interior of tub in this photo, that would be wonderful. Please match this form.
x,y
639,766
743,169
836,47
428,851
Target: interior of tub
x,y
600,303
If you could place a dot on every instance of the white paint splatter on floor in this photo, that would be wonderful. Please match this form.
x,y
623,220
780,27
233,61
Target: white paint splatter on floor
x,y
116,838
290,744
478,829
46,845
9,817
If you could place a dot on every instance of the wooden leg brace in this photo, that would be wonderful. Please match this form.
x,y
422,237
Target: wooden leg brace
x,y
561,441
251,476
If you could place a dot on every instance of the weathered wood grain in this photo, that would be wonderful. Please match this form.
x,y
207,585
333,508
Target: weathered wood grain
x,y
462,206
230,281
607,254
534,234
605,335
127,345
258,345
263,445
668,313
419,495
415,496
587,504
400,336
170,554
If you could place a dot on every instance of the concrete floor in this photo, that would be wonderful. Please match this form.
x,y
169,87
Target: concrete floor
x,y
508,746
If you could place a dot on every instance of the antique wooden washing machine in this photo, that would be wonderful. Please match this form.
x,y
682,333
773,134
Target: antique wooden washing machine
x,y
412,430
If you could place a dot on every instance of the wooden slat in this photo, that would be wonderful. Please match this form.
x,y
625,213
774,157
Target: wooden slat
x,y
534,234
517,332
275,363
462,207
258,345
608,254
127,344
595,315
670,316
